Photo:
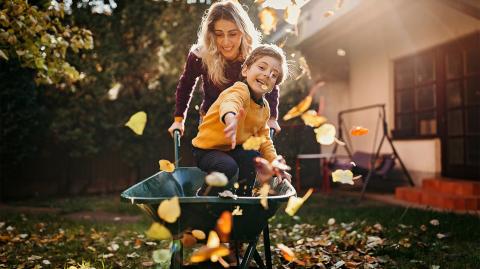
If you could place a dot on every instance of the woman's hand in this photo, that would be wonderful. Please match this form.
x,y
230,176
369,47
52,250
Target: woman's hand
x,y
177,126
273,123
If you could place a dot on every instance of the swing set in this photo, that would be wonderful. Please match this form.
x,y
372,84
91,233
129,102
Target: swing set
x,y
368,164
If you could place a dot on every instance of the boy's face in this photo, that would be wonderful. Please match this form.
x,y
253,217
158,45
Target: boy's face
x,y
262,75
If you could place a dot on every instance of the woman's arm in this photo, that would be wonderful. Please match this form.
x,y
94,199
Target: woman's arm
x,y
183,93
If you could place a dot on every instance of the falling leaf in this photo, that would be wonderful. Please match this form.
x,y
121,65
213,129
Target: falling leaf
x,y
264,190
161,255
298,109
358,131
331,221
254,142
326,134
268,19
169,210
288,254
213,240
224,225
294,203
328,13
216,179
200,235
434,222
441,236
228,194
292,13
206,253
166,165
237,211
158,232
343,176
188,240
114,90
137,122
312,119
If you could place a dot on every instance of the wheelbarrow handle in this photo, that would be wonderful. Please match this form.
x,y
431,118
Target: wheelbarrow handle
x,y
272,133
176,144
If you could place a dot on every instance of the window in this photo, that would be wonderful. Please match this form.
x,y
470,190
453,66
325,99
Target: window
x,y
415,96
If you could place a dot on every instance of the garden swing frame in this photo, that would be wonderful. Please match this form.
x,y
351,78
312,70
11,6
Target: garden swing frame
x,y
376,149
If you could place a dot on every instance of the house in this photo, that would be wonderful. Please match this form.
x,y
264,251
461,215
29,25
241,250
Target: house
x,y
419,58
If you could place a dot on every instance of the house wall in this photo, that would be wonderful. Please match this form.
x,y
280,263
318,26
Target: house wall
x,y
374,34
416,26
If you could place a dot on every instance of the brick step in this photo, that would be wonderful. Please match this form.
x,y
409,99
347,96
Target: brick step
x,y
436,199
452,186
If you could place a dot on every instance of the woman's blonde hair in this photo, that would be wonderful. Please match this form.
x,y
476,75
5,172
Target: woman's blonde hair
x,y
206,48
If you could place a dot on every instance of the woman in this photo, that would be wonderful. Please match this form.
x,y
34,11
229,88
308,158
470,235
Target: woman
x,y
226,37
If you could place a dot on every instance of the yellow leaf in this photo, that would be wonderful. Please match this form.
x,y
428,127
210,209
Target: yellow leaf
x,y
158,231
287,253
298,109
166,166
114,90
216,179
358,131
137,122
264,195
224,225
268,20
326,134
205,253
294,203
254,142
312,119
213,240
343,176
169,210
3,55
200,235
237,211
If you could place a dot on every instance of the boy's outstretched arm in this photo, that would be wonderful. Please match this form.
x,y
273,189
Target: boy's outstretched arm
x,y
231,123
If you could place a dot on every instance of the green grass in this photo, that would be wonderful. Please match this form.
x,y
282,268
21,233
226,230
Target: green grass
x,y
65,242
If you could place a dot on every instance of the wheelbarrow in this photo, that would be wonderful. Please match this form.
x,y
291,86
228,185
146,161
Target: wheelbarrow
x,y
202,212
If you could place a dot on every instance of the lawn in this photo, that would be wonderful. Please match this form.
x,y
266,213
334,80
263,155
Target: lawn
x,y
328,232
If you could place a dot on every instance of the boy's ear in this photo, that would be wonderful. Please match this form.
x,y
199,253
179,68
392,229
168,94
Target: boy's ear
x,y
244,70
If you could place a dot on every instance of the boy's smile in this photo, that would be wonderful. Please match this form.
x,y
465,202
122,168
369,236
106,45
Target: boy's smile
x,y
262,75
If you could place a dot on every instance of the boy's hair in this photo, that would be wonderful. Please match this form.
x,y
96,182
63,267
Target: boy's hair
x,y
272,51
212,59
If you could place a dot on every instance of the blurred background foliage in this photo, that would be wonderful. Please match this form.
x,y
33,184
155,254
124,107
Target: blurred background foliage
x,y
73,72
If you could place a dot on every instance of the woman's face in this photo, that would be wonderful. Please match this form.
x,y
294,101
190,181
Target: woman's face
x,y
227,38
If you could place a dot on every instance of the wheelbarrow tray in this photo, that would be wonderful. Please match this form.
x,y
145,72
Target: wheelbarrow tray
x,y
202,212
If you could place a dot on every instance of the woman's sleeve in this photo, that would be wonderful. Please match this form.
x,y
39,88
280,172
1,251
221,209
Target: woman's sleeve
x,y
272,99
183,94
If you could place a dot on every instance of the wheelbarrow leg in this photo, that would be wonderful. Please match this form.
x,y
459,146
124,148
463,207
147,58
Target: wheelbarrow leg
x,y
258,259
266,243
248,254
177,255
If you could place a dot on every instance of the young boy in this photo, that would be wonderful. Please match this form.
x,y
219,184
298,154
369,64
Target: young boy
x,y
240,112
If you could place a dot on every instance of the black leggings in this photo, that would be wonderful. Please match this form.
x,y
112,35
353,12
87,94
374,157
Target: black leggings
x,y
229,163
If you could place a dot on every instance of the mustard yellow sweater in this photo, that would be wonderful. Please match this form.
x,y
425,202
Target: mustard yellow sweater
x,y
253,123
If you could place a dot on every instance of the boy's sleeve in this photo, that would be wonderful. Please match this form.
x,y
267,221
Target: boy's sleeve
x,y
267,149
183,94
233,99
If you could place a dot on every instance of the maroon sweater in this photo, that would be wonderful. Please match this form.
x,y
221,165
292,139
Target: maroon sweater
x,y
193,69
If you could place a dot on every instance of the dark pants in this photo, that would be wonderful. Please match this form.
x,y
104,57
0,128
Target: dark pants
x,y
229,163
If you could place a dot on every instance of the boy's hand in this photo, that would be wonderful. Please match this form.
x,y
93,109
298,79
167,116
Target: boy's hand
x,y
231,123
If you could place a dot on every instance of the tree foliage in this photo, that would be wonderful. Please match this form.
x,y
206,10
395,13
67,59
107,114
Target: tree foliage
x,y
39,39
